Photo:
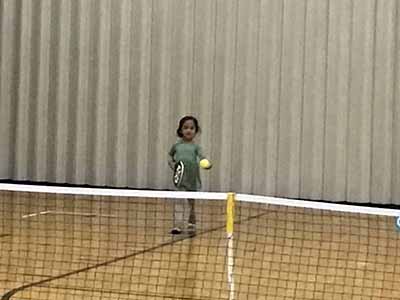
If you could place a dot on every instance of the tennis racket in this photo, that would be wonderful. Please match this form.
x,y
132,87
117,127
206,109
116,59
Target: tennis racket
x,y
178,173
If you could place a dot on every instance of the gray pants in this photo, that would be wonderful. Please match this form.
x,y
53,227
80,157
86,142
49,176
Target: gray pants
x,y
184,210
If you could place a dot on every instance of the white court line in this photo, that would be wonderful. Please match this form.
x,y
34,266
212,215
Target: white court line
x,y
36,214
231,264
82,214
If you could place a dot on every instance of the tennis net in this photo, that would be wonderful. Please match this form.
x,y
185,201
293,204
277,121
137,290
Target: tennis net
x,y
84,243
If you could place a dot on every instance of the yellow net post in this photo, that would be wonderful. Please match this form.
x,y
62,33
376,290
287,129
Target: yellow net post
x,y
230,218
230,214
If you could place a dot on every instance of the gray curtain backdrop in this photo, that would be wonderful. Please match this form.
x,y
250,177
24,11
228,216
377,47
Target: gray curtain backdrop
x,y
296,98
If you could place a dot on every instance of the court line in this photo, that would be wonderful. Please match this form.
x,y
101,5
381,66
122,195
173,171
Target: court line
x,y
36,214
78,214
231,266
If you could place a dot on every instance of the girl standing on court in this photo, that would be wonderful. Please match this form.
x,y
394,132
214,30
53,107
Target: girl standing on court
x,y
188,153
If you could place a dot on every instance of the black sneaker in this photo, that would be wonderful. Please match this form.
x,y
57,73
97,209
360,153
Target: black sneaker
x,y
176,230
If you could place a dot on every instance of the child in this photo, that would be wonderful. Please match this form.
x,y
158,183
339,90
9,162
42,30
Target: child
x,y
190,154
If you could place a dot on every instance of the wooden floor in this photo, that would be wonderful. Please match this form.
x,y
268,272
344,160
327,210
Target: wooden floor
x,y
80,247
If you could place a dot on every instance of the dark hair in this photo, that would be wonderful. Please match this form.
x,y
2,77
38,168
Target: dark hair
x,y
183,120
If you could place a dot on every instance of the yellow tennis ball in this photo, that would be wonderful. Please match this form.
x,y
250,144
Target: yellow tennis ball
x,y
205,164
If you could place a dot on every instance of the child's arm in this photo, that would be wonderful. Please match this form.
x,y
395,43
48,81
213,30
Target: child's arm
x,y
200,154
204,162
171,160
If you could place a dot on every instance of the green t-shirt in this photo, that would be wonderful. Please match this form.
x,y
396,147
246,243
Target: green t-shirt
x,y
190,154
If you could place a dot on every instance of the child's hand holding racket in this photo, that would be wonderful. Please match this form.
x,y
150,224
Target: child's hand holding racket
x,y
178,173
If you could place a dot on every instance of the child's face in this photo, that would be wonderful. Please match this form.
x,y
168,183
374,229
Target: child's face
x,y
188,130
